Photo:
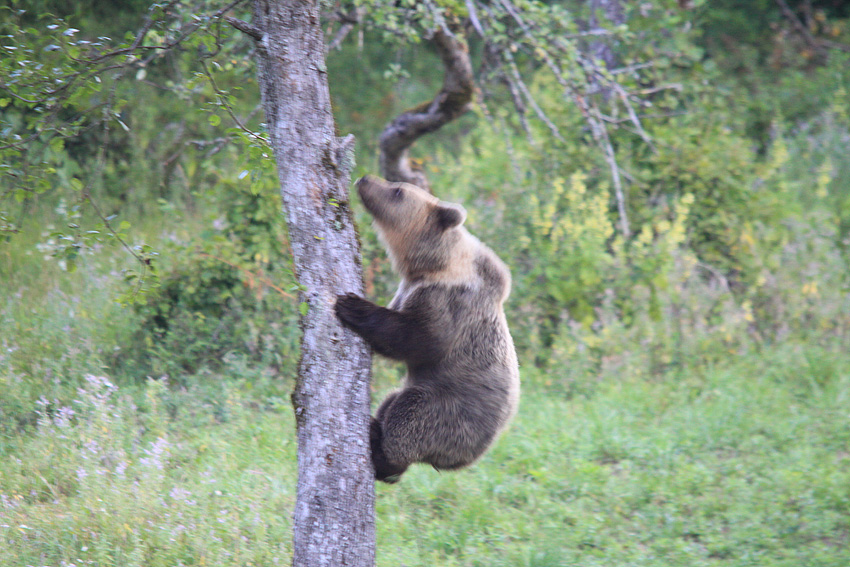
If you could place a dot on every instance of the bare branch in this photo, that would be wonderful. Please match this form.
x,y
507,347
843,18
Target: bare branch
x,y
800,27
244,27
349,21
590,111
816,44
453,100
340,36
834,45
519,105
473,18
537,110
611,158
600,134
718,275
624,96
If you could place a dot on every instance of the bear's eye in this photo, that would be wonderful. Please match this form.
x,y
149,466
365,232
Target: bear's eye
x,y
397,193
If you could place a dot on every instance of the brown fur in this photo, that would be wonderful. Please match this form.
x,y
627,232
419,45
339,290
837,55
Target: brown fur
x,y
447,323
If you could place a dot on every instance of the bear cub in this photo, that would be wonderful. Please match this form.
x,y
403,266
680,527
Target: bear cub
x,y
447,323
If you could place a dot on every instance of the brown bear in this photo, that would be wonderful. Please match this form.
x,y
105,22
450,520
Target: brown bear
x,y
447,323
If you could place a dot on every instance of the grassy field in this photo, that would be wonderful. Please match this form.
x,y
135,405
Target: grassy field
x,y
686,381
746,465
744,462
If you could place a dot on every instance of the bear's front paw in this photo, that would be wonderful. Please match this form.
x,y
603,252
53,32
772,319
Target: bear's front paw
x,y
351,308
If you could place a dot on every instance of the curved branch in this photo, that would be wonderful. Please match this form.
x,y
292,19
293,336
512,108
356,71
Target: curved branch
x,y
453,100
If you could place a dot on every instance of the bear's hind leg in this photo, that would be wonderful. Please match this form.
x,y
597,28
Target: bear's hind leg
x,y
382,409
384,470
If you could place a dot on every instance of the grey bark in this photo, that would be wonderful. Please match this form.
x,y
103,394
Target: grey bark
x,y
611,10
454,99
334,510
614,12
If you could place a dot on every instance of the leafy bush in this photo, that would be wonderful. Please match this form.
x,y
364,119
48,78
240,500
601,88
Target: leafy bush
x,y
227,288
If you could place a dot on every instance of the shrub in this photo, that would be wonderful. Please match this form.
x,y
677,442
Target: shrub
x,y
227,288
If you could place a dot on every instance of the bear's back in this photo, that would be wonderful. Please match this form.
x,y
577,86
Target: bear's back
x,y
467,314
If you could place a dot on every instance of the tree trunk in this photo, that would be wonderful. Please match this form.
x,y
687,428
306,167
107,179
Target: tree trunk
x,y
334,511
611,10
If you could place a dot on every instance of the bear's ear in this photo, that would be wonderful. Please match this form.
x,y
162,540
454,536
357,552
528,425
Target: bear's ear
x,y
449,215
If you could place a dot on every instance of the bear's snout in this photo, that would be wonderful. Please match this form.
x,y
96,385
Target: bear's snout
x,y
367,181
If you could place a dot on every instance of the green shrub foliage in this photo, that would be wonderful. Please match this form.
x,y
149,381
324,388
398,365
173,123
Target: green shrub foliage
x,y
226,289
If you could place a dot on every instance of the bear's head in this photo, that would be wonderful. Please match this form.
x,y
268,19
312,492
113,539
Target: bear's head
x,y
422,234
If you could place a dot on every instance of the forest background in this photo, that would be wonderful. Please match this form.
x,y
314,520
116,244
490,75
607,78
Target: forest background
x,y
686,383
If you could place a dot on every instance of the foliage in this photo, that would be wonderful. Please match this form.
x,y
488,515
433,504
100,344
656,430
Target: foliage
x,y
66,91
219,290
211,282
685,388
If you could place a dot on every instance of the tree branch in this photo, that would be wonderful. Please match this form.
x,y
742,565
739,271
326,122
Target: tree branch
x,y
244,27
517,78
800,27
453,100
587,106
349,21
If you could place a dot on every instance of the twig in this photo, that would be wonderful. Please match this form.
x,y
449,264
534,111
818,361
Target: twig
x,y
624,96
222,99
519,105
658,89
533,103
800,27
244,27
473,18
716,273
601,134
148,23
349,21
340,36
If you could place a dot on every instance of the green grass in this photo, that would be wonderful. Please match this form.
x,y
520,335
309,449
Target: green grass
x,y
749,468
740,462
175,480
